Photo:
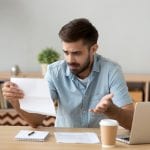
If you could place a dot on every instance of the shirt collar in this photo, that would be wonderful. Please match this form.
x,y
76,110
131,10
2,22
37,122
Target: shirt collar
x,y
96,64
69,73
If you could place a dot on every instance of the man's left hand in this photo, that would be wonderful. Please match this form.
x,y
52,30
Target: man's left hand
x,y
104,104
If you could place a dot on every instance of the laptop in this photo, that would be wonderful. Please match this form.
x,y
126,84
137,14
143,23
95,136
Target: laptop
x,y
140,130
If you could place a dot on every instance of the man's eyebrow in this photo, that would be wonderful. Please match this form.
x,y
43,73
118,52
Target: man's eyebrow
x,y
75,51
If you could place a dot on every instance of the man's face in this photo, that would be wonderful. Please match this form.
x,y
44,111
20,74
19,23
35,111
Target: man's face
x,y
78,57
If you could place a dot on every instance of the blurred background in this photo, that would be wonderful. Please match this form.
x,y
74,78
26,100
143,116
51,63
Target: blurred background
x,y
27,26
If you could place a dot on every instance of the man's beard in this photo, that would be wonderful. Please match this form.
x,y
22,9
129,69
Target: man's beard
x,y
81,69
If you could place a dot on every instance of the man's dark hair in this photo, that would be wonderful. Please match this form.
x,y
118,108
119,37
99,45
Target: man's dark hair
x,y
79,29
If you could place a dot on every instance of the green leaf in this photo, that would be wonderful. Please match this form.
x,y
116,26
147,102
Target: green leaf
x,y
48,56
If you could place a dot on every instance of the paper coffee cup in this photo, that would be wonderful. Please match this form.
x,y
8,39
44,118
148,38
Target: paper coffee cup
x,y
108,130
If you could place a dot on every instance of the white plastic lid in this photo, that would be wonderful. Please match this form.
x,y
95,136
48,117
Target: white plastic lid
x,y
108,122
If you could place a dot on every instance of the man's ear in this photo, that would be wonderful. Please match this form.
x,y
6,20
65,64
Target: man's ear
x,y
94,48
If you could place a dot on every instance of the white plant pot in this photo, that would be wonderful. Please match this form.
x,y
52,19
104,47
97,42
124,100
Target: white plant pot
x,y
44,69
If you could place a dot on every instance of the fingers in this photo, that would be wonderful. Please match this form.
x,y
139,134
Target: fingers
x,y
11,91
108,96
98,109
103,105
8,84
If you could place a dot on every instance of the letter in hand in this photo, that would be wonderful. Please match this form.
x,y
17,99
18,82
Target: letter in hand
x,y
104,104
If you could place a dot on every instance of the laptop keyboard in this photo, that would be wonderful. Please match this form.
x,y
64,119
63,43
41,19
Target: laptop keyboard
x,y
123,138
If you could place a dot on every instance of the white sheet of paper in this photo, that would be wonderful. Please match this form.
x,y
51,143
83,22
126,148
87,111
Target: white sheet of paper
x,y
37,97
77,137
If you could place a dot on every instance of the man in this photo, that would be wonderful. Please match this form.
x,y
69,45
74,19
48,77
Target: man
x,y
87,86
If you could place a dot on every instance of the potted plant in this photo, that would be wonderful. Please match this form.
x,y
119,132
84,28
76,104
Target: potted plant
x,y
47,56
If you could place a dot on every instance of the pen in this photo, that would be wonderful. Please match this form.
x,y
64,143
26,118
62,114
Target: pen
x,y
32,132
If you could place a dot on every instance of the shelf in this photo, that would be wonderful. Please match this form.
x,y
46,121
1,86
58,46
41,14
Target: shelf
x,y
139,82
137,96
4,76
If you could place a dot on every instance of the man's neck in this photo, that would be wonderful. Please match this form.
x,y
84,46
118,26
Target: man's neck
x,y
85,73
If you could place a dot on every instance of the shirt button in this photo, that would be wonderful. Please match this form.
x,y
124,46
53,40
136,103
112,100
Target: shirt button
x,y
85,96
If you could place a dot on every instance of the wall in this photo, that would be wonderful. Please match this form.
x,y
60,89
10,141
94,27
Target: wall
x,y
27,26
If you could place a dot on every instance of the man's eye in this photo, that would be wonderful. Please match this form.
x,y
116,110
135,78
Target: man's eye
x,y
77,53
65,52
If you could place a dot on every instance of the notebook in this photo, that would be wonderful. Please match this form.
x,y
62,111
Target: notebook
x,y
32,135
140,125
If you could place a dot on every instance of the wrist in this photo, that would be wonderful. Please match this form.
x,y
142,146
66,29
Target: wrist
x,y
113,111
15,104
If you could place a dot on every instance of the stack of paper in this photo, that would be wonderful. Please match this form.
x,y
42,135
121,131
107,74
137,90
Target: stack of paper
x,y
82,137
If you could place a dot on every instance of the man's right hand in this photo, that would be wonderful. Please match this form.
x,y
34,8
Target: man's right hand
x,y
12,92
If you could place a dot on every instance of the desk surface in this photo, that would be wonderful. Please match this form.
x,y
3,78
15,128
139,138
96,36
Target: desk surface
x,y
7,140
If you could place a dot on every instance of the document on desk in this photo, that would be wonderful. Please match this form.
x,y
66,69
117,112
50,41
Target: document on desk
x,y
37,97
76,137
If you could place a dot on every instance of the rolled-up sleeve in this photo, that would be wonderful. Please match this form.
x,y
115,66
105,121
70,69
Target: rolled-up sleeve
x,y
50,78
118,87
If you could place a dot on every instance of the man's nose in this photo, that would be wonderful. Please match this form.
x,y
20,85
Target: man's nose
x,y
70,59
